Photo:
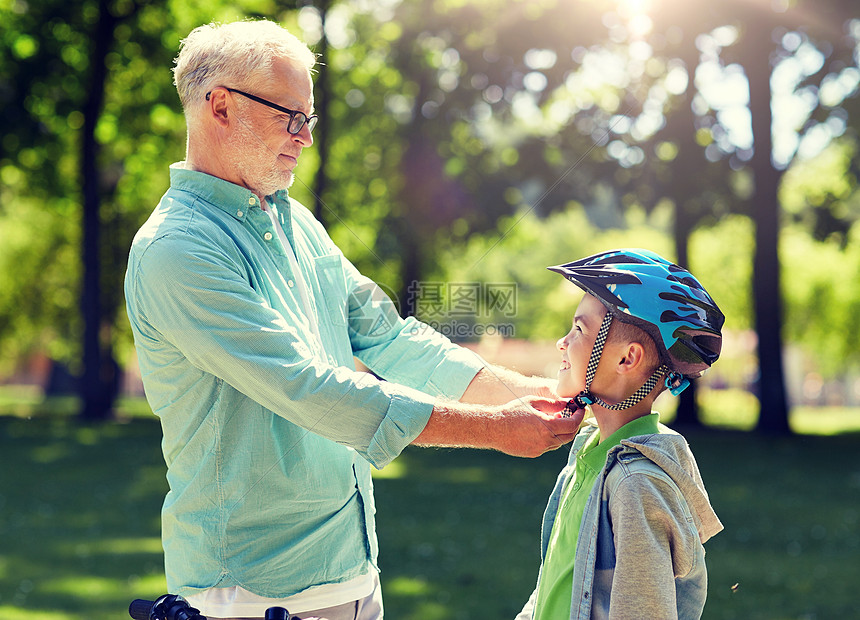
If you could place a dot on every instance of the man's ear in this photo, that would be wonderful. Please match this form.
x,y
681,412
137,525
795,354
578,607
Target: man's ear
x,y
216,102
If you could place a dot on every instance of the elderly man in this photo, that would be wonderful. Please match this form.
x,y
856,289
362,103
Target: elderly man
x,y
247,318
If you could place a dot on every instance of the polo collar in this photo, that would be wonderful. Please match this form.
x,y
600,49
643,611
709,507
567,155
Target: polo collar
x,y
594,454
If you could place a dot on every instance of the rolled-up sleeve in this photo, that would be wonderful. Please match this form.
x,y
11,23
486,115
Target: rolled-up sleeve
x,y
193,297
404,351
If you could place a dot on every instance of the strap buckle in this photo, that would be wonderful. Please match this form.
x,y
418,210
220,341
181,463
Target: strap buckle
x,y
676,382
583,399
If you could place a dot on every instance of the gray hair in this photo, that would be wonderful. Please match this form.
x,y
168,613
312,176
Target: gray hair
x,y
239,55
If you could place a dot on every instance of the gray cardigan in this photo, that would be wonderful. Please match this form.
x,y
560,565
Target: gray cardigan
x,y
639,551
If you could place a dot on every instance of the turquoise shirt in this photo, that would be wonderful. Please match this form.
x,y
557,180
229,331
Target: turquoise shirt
x,y
269,432
554,586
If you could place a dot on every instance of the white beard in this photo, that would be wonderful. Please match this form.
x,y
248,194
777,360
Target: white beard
x,y
256,165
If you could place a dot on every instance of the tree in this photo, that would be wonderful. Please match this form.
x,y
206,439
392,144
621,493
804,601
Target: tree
x,y
441,120
99,384
92,122
416,80
758,54
38,133
86,117
322,100
767,294
695,159
699,188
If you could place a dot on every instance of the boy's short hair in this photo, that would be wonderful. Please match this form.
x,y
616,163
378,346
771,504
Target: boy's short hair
x,y
621,332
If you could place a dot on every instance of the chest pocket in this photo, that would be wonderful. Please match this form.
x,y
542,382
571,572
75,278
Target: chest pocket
x,y
329,270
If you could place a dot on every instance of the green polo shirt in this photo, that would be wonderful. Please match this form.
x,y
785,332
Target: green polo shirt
x,y
553,599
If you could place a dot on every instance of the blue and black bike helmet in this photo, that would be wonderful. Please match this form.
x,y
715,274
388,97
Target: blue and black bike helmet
x,y
667,301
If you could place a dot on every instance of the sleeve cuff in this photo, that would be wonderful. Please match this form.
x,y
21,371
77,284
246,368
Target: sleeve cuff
x,y
403,422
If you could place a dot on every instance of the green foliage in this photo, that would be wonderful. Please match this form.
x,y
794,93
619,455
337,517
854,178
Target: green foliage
x,y
820,254
45,64
721,256
38,276
424,134
39,94
823,299
821,295
524,245
822,193
447,121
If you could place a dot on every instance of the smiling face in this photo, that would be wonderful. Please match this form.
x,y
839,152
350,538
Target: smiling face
x,y
261,152
576,346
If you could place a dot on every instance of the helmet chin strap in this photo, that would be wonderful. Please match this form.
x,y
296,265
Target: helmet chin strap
x,y
674,381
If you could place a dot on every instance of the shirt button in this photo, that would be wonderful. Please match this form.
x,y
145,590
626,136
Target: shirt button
x,y
252,201
240,213
290,283
576,486
267,236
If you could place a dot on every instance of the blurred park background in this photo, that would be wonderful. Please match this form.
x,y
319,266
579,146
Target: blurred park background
x,y
463,146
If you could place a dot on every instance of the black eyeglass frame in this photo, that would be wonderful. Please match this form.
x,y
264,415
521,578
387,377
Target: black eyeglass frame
x,y
304,118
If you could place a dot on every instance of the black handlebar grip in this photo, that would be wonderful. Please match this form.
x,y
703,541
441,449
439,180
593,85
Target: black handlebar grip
x,y
175,607
166,607
140,609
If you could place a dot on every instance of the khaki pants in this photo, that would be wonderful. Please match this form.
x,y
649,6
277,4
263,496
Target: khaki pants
x,y
369,608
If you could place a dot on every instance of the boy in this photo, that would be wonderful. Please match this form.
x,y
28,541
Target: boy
x,y
623,530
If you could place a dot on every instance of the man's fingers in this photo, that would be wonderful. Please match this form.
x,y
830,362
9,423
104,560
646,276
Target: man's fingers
x,y
542,428
547,405
572,414
565,428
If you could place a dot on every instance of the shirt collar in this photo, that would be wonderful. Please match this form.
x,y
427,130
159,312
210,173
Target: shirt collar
x,y
229,197
594,454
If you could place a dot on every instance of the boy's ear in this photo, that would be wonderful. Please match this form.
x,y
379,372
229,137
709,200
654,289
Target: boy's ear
x,y
634,357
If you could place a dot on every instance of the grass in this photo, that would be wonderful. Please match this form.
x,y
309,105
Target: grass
x,y
458,529
79,517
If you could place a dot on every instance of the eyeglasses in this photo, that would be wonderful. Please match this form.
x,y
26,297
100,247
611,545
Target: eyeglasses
x,y
297,119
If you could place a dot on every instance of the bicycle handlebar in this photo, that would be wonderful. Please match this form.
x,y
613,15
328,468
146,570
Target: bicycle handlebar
x,y
166,607
140,609
174,607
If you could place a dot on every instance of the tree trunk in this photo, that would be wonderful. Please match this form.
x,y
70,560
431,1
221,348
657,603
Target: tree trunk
x,y
98,383
687,190
411,285
767,300
321,134
687,413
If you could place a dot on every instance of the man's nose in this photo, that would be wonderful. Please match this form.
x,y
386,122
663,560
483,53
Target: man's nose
x,y
305,138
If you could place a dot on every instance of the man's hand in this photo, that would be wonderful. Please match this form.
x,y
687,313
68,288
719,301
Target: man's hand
x,y
525,427
532,426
